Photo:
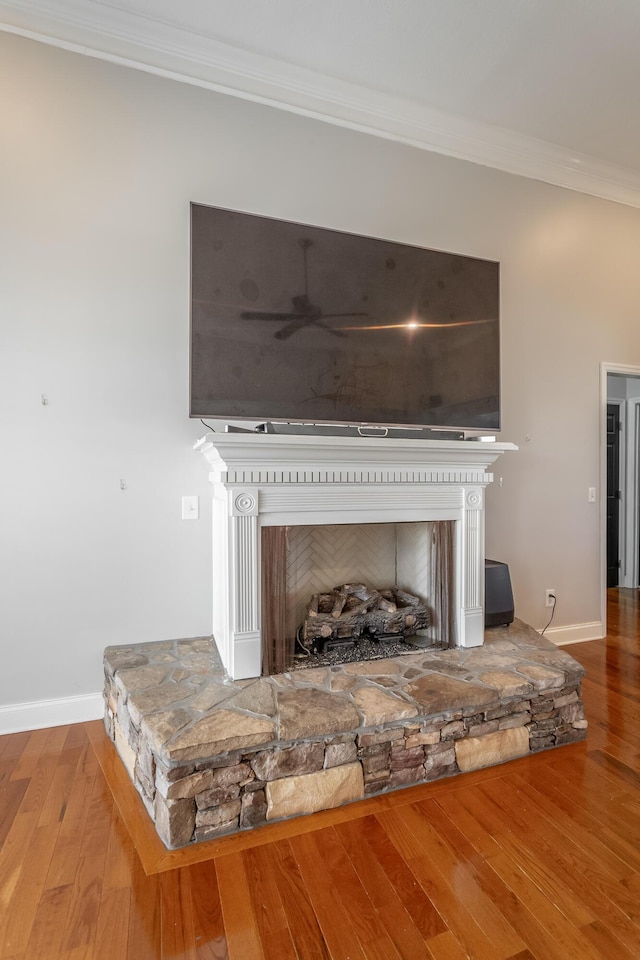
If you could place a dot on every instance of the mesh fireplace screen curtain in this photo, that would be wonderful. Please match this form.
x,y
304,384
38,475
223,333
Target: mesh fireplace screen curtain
x,y
277,650
443,587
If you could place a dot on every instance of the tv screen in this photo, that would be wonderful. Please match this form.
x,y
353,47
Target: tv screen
x,y
297,323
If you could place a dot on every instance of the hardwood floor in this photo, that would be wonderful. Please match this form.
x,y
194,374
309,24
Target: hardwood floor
x,y
537,859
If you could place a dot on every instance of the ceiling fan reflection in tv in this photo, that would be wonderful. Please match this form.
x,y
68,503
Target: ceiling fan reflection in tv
x,y
304,312
374,332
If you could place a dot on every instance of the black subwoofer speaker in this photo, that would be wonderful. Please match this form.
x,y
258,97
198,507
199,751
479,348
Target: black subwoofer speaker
x,y
498,596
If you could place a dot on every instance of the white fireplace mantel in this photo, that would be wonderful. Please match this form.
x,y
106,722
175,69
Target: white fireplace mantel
x,y
280,480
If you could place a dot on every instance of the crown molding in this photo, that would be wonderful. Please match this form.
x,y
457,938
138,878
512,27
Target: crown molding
x,y
100,29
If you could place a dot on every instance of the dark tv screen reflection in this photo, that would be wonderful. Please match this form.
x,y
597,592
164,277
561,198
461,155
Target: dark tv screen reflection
x,y
297,323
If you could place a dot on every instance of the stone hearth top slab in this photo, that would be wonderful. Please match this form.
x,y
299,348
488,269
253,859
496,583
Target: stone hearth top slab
x,y
177,691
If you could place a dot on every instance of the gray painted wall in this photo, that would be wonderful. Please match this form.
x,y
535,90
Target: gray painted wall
x,y
98,165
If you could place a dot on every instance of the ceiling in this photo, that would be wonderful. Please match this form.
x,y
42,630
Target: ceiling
x,y
544,88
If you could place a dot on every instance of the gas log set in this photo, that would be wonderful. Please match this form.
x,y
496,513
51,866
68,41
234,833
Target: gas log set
x,y
353,612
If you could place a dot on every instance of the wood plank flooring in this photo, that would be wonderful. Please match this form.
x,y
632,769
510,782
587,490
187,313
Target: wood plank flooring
x,y
537,859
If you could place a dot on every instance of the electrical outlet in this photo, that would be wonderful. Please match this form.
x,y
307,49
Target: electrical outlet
x,y
549,597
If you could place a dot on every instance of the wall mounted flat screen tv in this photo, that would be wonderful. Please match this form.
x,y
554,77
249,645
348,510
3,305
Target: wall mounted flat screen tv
x,y
297,323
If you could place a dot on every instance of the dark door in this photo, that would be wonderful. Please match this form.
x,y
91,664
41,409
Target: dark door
x,y
613,494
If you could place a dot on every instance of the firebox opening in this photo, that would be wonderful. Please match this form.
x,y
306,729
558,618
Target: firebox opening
x,y
343,592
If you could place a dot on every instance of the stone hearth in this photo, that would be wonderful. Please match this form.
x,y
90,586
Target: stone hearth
x,y
210,756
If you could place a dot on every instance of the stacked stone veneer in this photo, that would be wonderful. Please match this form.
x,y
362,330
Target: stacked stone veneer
x,y
209,756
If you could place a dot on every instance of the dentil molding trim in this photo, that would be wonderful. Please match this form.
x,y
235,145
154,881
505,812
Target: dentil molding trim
x,y
173,50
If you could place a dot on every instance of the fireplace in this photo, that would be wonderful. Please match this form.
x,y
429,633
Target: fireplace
x,y
210,756
267,484
342,592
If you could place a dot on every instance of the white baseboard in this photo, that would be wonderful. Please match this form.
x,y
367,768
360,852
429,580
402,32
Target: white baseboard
x,y
37,714
576,633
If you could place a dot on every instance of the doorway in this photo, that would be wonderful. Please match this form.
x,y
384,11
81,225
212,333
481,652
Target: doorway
x,y
614,494
620,477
